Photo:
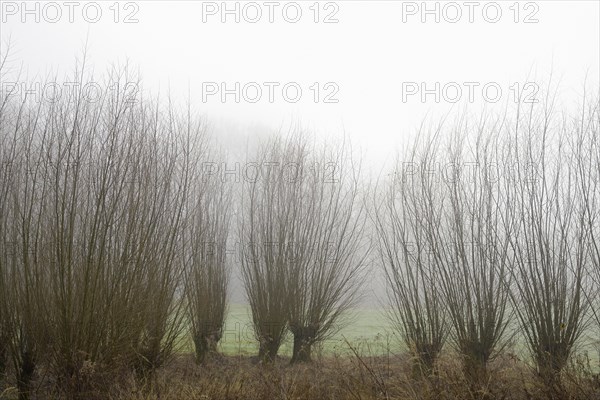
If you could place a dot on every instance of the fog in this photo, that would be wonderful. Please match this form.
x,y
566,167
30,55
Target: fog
x,y
370,71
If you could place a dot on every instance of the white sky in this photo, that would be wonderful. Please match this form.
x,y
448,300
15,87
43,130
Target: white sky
x,y
368,54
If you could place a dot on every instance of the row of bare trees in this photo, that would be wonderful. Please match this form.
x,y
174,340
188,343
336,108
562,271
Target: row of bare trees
x,y
113,238
103,219
487,223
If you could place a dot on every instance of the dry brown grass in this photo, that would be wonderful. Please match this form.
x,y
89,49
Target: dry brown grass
x,y
332,378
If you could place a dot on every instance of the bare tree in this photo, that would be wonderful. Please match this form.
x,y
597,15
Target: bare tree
x,y
552,242
166,177
467,229
24,289
302,243
416,307
7,154
96,204
586,145
266,227
330,249
207,274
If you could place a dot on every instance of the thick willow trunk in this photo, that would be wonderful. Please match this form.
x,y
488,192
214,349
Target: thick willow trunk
x,y
476,372
423,364
268,350
3,357
25,374
549,370
206,347
302,349
304,338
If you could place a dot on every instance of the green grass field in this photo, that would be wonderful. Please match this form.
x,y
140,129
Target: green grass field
x,y
366,329
362,327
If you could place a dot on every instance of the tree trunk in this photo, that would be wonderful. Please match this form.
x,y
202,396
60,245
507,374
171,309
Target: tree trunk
x,y
304,337
268,350
549,369
302,348
206,346
201,349
421,368
550,378
424,359
476,373
25,374
3,358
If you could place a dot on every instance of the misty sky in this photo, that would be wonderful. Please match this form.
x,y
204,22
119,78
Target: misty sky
x,y
367,61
